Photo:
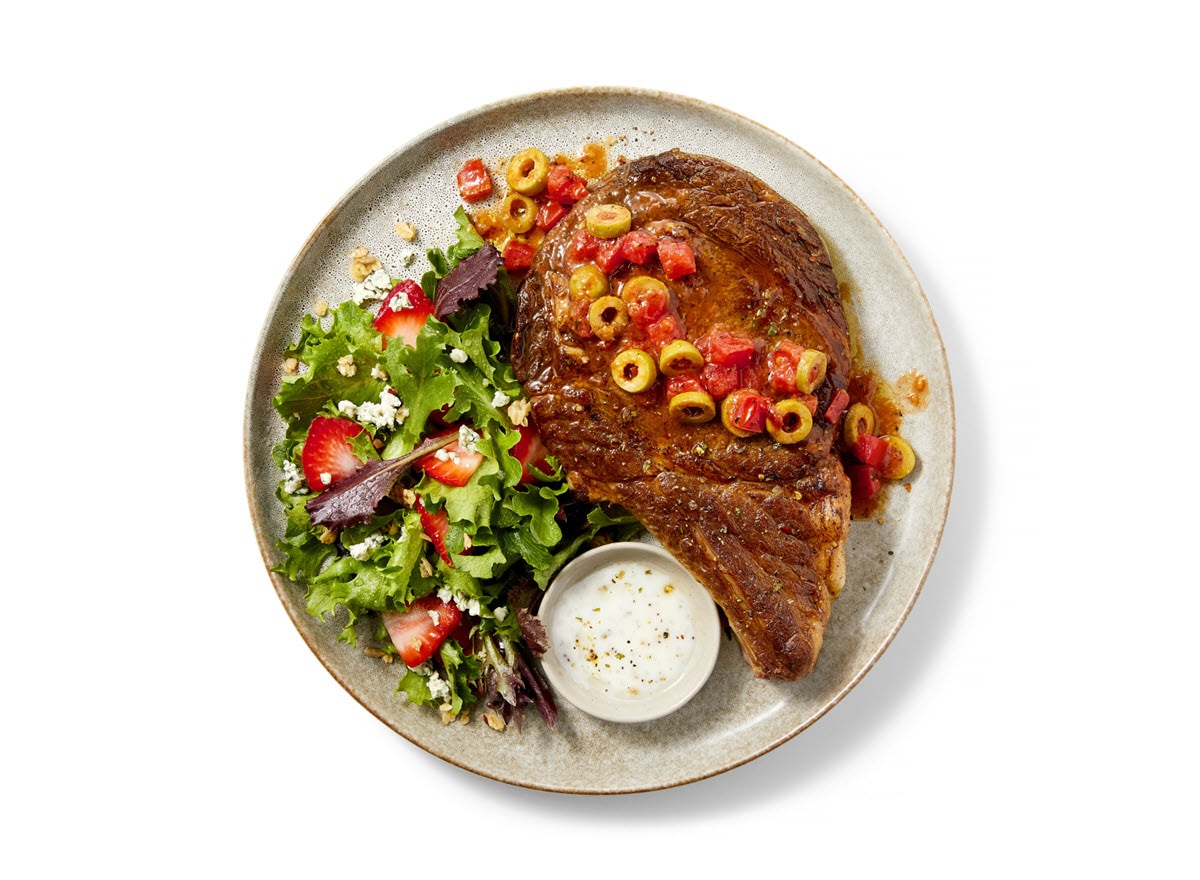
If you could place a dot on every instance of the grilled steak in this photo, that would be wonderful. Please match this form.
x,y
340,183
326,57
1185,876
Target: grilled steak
x,y
761,524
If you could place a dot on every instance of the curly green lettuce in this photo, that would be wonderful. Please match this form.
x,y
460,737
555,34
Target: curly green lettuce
x,y
519,534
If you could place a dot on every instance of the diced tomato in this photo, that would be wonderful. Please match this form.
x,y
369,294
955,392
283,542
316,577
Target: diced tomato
x,y
518,255
608,255
564,185
584,246
676,257
720,381
781,364
647,305
548,214
864,482
580,325
837,406
664,330
748,410
474,181
681,384
726,349
420,629
870,450
639,246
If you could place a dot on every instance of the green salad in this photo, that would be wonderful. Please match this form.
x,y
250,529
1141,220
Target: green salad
x,y
423,512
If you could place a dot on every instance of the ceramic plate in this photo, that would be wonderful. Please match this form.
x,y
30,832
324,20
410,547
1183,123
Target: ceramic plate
x,y
887,561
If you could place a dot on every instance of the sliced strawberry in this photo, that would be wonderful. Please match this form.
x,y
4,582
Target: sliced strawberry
x,y
403,312
436,526
420,629
327,456
530,451
451,465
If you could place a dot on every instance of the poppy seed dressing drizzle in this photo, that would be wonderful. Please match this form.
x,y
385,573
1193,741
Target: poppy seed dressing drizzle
x,y
625,630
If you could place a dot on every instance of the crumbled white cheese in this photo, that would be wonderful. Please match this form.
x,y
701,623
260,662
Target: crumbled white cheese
x,y
445,454
293,479
326,479
407,258
501,612
439,688
374,286
363,549
458,356
470,606
500,399
399,300
467,438
378,372
434,616
388,413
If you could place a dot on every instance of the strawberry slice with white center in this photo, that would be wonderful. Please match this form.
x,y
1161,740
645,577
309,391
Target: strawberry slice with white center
x,y
327,455
403,312
420,629
436,526
452,464
530,451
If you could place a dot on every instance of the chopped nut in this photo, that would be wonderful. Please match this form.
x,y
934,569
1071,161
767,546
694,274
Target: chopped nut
x,y
327,535
321,309
345,365
406,231
291,366
425,568
493,719
362,264
518,412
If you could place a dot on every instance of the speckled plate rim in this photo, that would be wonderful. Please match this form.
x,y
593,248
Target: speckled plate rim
x,y
317,635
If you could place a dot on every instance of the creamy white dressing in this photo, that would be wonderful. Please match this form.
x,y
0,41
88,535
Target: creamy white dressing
x,y
627,630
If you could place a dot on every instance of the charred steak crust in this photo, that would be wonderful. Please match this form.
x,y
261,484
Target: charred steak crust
x,y
761,525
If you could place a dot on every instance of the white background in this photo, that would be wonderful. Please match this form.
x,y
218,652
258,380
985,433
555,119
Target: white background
x,y
1035,162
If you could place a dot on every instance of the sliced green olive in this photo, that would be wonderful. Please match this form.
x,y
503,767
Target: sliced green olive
x,y
899,460
518,213
634,370
640,284
678,357
589,280
608,318
528,171
729,417
607,221
860,419
692,407
792,421
810,371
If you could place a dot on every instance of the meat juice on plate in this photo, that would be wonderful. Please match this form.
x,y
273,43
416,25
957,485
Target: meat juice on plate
x,y
627,630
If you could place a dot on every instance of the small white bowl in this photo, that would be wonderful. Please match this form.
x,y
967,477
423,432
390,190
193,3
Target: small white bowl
x,y
633,636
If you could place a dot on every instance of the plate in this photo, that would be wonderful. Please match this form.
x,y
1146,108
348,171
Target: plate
x,y
735,718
